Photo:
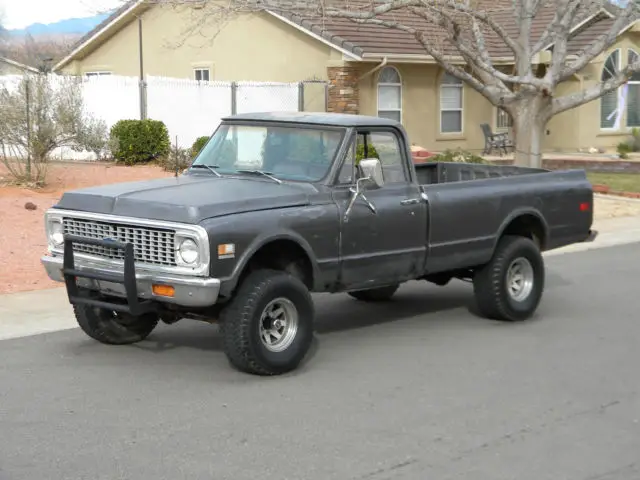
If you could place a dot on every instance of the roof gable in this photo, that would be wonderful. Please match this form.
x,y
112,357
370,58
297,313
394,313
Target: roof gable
x,y
358,41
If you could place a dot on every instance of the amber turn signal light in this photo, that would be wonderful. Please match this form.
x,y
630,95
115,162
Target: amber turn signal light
x,y
163,290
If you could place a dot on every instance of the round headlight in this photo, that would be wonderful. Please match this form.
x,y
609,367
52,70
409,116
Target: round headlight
x,y
56,234
188,251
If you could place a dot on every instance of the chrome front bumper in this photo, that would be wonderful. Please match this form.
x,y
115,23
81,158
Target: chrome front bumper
x,y
189,291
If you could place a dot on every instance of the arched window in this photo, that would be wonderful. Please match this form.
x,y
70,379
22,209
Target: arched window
x,y
633,93
451,102
609,101
390,94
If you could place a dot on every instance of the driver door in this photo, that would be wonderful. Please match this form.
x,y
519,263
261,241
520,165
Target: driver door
x,y
387,246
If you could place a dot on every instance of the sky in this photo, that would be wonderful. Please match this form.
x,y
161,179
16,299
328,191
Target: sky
x,y
21,13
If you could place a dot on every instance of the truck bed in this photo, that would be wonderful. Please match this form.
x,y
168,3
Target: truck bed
x,y
445,172
471,205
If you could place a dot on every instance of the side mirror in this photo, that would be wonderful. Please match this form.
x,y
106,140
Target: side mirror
x,y
371,178
372,171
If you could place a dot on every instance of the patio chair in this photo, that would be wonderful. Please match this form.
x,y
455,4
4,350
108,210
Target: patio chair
x,y
499,141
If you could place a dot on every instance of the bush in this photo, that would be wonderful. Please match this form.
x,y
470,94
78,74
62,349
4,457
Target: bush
x,y
198,145
624,148
139,141
177,160
39,114
458,156
371,152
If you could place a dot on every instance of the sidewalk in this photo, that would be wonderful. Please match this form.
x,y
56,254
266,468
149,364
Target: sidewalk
x,y
30,313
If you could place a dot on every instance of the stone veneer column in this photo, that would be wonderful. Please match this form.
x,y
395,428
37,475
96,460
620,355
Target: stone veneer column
x,y
343,94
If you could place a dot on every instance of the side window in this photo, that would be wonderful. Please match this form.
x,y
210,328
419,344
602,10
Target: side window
x,y
381,145
387,148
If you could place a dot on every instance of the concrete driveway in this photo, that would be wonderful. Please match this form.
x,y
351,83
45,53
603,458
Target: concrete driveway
x,y
416,389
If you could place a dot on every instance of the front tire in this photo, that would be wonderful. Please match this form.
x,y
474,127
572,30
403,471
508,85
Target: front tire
x,y
381,294
510,286
114,328
267,328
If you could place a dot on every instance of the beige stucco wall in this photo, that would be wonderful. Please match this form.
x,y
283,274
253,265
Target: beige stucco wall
x,y
421,108
254,47
262,48
578,128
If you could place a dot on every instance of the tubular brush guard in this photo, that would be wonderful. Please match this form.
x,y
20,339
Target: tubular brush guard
x,y
133,305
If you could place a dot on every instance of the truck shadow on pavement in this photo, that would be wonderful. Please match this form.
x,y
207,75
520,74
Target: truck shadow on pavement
x,y
335,314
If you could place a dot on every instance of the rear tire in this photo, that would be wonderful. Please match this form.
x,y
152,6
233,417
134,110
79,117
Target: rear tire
x,y
114,328
510,286
381,294
267,328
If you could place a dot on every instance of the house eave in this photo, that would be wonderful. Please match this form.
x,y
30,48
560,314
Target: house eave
x,y
96,36
19,65
347,53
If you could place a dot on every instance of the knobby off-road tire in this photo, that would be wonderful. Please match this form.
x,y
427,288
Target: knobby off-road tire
x,y
510,286
267,328
114,328
381,294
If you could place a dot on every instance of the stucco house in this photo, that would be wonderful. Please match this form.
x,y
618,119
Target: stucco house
x,y
370,69
12,67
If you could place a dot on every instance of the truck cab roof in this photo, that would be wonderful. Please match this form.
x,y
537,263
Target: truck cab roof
x,y
316,118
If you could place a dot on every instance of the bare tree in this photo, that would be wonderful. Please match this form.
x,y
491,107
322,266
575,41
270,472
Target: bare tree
x,y
40,114
40,52
458,35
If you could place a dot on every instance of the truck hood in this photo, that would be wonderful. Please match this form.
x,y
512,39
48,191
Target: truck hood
x,y
187,198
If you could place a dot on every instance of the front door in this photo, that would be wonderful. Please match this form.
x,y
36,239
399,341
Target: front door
x,y
390,245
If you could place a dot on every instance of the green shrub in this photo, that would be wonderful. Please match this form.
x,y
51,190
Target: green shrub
x,y
458,155
371,152
139,141
635,140
624,148
198,145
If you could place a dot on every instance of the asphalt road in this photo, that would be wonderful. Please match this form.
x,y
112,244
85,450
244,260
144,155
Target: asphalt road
x,y
416,389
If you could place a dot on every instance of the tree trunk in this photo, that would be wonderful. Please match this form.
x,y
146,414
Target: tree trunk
x,y
529,122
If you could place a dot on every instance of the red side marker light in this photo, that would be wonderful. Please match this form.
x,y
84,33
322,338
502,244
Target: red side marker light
x,y
584,207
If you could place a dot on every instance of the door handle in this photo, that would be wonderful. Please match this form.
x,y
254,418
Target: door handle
x,y
410,201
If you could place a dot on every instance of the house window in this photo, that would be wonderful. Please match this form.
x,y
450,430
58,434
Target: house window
x,y
450,104
390,94
609,101
503,120
633,93
201,74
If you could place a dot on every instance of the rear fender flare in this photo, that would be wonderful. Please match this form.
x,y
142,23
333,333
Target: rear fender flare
x,y
520,212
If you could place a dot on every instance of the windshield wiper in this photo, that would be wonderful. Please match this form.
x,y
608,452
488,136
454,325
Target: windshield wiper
x,y
212,169
260,172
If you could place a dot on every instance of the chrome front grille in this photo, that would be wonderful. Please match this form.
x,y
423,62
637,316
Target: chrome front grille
x,y
153,246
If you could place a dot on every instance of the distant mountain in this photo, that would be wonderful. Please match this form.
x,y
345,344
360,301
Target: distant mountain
x,y
69,26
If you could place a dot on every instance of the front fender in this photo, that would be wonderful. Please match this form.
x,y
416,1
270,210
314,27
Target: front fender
x,y
230,283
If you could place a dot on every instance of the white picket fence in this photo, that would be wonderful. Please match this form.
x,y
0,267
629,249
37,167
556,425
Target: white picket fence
x,y
189,108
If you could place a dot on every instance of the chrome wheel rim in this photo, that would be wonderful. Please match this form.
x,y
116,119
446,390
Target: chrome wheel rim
x,y
278,324
520,279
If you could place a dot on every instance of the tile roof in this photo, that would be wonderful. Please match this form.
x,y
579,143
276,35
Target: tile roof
x,y
363,39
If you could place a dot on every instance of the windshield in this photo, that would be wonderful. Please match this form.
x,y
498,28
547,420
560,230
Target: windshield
x,y
287,153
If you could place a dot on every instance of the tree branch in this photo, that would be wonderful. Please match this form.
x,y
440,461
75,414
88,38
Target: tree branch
x,y
630,13
567,102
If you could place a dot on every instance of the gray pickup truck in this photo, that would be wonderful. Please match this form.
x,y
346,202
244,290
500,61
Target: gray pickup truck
x,y
278,205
